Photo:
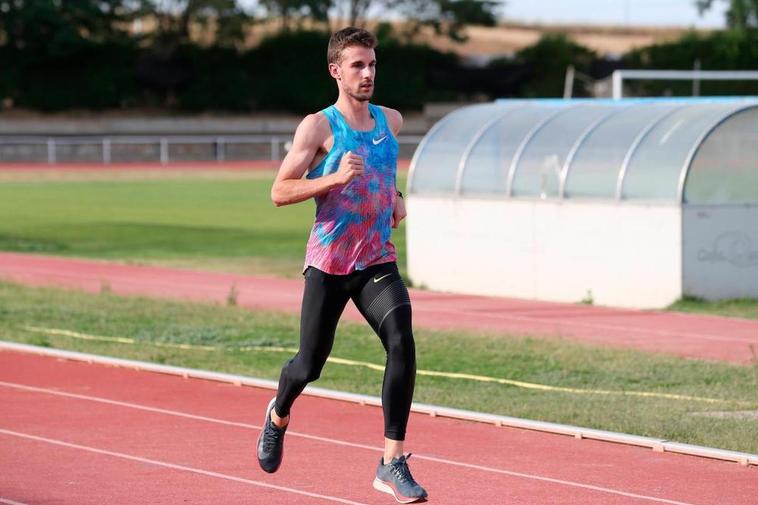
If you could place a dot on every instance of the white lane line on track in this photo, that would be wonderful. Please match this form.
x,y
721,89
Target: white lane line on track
x,y
126,404
10,502
172,466
558,481
340,442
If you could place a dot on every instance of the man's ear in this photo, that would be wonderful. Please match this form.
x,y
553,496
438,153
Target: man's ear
x,y
334,70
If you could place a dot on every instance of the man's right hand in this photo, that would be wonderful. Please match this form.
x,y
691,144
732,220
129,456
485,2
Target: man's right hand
x,y
351,166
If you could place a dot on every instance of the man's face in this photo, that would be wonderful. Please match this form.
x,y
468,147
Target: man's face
x,y
356,71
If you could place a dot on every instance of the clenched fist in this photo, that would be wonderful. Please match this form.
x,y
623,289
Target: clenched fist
x,y
351,166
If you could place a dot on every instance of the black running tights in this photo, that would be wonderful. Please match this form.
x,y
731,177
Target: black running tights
x,y
381,296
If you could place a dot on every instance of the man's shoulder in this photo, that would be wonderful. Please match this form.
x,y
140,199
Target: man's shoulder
x,y
315,126
389,110
315,120
394,118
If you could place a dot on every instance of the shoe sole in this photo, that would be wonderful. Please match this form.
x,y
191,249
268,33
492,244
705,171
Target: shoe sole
x,y
382,486
265,420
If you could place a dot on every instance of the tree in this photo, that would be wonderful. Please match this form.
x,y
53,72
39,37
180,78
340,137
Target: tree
x,y
297,10
354,11
223,20
55,25
716,50
547,61
448,17
742,14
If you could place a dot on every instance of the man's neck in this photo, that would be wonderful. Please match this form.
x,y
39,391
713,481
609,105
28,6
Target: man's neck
x,y
355,111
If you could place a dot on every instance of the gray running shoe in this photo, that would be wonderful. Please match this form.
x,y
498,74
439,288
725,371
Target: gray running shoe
x,y
270,443
395,478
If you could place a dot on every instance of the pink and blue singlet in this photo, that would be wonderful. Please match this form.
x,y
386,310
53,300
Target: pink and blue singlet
x,y
353,222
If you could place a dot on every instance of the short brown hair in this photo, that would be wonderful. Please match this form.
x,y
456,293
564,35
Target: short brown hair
x,y
350,36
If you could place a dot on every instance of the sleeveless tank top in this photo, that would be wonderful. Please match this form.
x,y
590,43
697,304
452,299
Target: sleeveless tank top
x,y
353,221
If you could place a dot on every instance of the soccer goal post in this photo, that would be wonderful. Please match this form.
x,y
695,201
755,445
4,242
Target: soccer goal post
x,y
619,76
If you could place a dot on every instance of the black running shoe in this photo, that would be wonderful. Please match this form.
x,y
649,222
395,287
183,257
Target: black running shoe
x,y
395,478
270,443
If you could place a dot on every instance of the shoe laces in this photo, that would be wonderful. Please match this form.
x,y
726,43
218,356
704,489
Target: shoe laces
x,y
272,436
401,471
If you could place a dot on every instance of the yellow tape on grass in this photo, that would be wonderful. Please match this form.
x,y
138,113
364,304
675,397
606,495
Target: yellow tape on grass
x,y
380,368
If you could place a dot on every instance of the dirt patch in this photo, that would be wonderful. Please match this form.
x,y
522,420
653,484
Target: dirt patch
x,y
510,38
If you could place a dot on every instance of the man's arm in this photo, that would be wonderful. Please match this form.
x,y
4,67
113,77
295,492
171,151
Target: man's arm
x,y
395,122
289,186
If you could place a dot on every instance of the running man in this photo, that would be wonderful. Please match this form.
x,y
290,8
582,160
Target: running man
x,y
349,151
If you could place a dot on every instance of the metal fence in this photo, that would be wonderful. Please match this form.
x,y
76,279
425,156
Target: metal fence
x,y
162,149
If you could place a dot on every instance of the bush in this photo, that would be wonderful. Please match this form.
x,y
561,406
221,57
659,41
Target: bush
x,y
409,75
217,78
289,72
720,50
548,60
286,72
86,77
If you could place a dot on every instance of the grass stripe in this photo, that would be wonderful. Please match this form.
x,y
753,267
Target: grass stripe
x,y
380,368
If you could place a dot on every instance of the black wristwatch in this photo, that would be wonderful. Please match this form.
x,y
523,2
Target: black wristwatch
x,y
399,193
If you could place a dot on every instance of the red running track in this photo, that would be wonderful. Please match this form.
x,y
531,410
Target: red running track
x,y
692,336
72,432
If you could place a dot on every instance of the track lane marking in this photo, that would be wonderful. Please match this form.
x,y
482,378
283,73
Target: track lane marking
x,y
340,442
10,502
173,466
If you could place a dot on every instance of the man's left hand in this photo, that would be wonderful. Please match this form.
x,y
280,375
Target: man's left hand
x,y
398,213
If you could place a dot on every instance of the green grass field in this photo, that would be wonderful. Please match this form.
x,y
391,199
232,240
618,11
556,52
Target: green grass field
x,y
617,390
225,223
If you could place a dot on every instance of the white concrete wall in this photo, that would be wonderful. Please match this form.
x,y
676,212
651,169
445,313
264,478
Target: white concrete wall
x,y
720,251
624,255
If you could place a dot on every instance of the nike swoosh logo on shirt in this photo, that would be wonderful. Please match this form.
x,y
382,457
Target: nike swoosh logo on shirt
x,y
379,140
377,279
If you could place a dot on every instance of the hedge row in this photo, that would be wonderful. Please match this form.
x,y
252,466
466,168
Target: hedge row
x,y
288,72
284,73
722,50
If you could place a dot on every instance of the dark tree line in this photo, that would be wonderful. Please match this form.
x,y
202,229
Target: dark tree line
x,y
99,54
26,24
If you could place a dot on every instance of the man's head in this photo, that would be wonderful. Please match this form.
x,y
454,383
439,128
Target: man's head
x,y
352,62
